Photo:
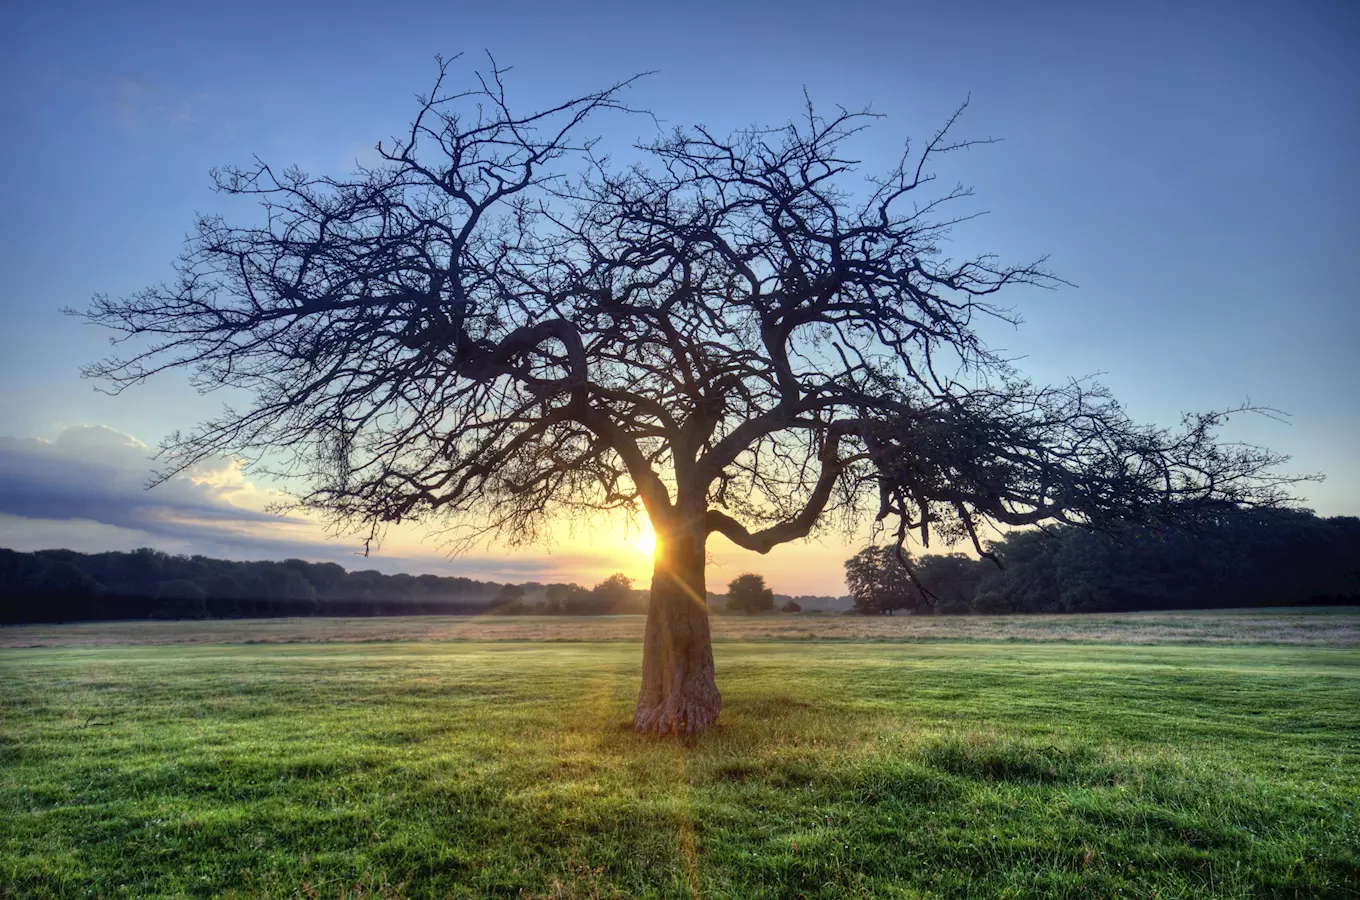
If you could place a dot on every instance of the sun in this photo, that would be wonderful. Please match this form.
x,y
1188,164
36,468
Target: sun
x,y
645,543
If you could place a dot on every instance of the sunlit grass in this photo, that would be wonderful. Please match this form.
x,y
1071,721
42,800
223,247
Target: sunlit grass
x,y
840,769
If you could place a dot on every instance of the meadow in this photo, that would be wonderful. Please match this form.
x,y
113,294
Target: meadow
x,y
1311,626
1180,755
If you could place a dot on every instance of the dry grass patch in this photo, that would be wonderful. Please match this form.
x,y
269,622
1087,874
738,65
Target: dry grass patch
x,y
1317,627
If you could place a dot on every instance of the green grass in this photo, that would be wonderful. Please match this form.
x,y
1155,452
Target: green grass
x,y
839,770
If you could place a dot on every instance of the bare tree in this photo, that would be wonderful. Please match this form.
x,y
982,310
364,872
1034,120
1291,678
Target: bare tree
x,y
496,327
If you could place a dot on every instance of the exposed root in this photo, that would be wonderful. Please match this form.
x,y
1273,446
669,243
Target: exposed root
x,y
682,717
694,708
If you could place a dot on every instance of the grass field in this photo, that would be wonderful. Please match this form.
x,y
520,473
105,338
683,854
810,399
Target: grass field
x,y
1313,626
840,769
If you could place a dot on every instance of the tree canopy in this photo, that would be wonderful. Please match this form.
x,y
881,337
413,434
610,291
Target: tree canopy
x,y
880,582
748,593
475,328
1239,558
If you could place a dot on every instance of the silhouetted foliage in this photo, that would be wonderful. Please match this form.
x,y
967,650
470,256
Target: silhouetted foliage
x,y
950,582
1240,558
748,593
509,595
614,595
65,591
566,599
61,585
180,598
1244,558
879,582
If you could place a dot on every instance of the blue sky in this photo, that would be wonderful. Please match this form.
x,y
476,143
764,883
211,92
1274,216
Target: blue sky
x,y
1187,166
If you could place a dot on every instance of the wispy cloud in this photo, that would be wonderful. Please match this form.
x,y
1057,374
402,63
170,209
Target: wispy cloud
x,y
98,474
139,103
86,490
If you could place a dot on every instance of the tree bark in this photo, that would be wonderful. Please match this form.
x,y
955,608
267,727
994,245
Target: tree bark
x,y
679,693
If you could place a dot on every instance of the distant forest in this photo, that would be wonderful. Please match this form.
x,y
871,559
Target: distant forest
x,y
63,585
1245,558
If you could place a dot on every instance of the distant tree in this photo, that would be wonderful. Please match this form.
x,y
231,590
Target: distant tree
x,y
736,334
1243,557
580,601
879,582
45,586
565,599
288,590
612,594
223,591
748,593
553,595
144,568
68,591
950,581
433,584
508,594
18,572
364,589
325,576
509,600
180,598
791,606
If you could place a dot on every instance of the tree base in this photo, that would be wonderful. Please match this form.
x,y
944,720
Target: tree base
x,y
693,709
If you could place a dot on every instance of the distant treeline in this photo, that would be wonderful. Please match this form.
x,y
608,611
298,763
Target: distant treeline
x,y
63,585
1243,558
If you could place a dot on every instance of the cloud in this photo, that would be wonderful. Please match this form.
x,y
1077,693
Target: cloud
x,y
139,103
86,490
96,473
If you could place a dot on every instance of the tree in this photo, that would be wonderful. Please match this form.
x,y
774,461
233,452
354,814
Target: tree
x,y
1241,558
612,594
879,581
496,326
180,598
68,590
950,581
569,599
748,593
509,599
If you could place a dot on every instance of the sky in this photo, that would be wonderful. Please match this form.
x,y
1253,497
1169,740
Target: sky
x,y
1188,167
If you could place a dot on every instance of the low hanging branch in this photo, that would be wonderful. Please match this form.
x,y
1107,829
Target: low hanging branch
x,y
497,328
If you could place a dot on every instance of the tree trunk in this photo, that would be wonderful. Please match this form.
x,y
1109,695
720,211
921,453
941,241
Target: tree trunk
x,y
679,693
